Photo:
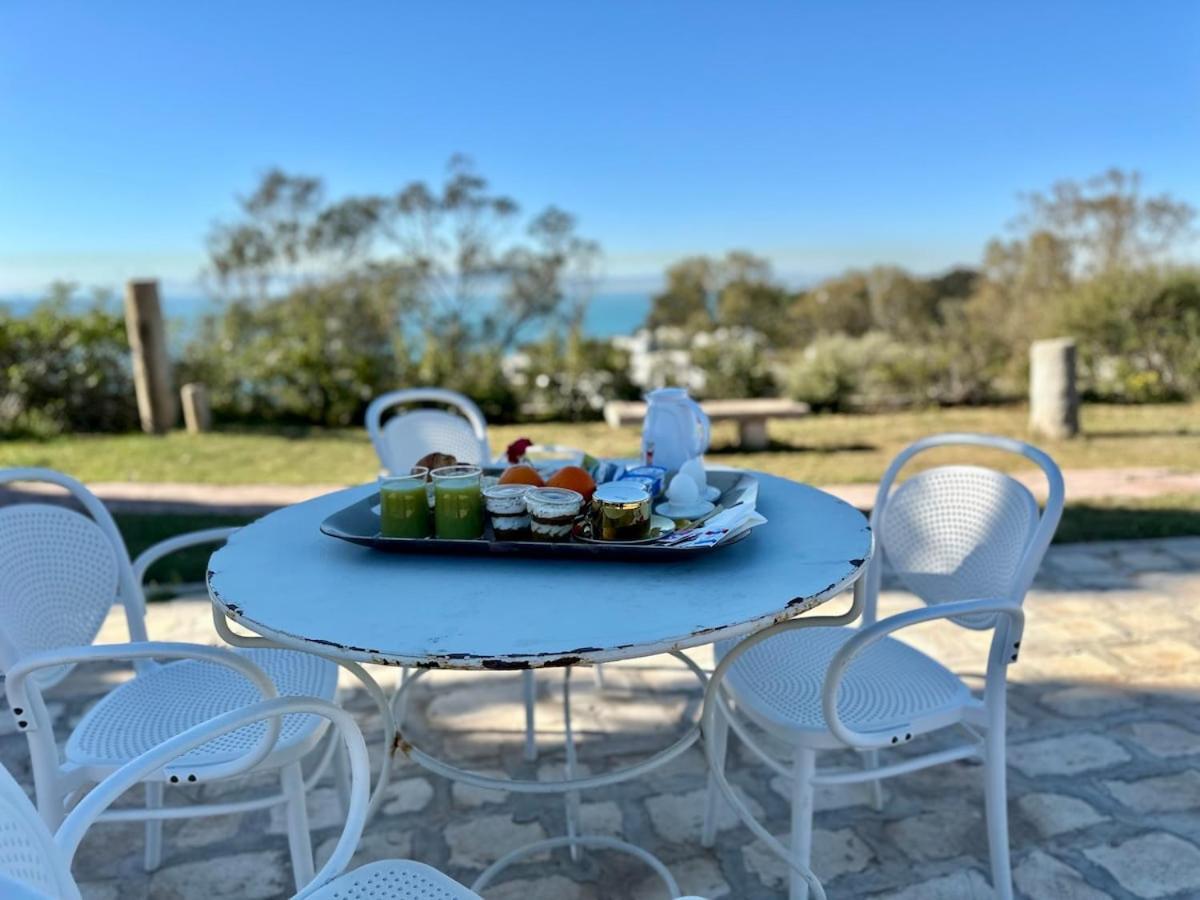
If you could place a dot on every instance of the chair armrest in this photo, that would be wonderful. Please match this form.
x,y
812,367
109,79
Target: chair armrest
x,y
157,758
16,676
870,634
155,552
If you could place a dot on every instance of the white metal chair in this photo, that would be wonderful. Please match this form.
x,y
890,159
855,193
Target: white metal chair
x,y
967,541
407,436
410,434
60,573
37,866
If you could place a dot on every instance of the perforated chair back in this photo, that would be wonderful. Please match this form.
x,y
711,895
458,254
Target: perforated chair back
x,y
60,573
31,864
958,533
963,532
408,435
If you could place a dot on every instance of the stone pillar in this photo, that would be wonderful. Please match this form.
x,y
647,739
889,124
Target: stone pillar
x,y
1053,398
151,364
197,416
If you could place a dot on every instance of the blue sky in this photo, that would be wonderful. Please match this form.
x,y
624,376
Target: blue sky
x,y
822,135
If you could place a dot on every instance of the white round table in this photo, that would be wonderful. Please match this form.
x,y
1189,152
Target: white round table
x,y
283,579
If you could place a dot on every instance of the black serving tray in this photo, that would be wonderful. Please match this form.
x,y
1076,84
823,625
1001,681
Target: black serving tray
x,y
358,523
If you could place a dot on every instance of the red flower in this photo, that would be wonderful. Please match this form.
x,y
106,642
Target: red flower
x,y
516,450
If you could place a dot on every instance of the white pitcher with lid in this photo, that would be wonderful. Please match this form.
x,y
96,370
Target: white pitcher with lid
x,y
675,430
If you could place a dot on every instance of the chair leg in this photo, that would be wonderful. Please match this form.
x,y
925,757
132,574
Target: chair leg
x,y
299,840
803,767
996,801
154,827
871,761
529,689
713,799
341,774
47,788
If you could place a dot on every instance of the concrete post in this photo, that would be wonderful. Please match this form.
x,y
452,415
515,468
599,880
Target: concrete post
x,y
1053,398
151,364
197,416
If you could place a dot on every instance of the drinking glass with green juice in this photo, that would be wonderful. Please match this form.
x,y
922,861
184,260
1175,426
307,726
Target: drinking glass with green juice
x,y
458,502
403,505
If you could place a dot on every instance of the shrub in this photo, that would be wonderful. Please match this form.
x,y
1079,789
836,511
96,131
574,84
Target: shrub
x,y
571,377
315,356
734,363
64,368
1138,334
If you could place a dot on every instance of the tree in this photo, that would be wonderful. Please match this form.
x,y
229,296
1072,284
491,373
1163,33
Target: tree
x,y
445,274
451,242
687,300
1107,222
749,297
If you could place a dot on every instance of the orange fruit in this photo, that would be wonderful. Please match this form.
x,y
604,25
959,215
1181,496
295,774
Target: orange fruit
x,y
575,479
522,474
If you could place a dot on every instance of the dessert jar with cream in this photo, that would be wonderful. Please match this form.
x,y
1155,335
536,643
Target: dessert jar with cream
x,y
552,512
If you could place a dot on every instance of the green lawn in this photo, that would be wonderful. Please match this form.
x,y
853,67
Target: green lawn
x,y
823,449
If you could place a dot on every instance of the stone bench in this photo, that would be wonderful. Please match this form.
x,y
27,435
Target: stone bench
x,y
751,416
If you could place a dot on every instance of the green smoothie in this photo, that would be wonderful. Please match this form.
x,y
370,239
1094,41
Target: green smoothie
x,y
403,507
457,503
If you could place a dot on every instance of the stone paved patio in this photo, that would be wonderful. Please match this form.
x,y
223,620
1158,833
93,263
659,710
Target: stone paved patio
x,y
1104,770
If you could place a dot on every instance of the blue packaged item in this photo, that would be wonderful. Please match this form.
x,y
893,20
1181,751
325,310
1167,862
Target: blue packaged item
x,y
654,477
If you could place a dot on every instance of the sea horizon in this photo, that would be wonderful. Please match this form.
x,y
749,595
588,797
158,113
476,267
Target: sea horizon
x,y
609,314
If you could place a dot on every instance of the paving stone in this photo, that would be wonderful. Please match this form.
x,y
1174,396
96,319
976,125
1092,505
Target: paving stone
x,y
1079,665
324,811
1159,793
411,795
1083,561
556,887
831,796
1041,875
699,876
1089,701
111,890
1054,814
940,835
1149,559
963,885
470,797
834,853
484,839
242,876
678,818
380,841
1164,739
1153,865
201,832
603,818
1171,655
1067,755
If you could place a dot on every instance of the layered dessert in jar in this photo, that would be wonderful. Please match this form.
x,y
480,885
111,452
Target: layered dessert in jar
x,y
552,512
505,504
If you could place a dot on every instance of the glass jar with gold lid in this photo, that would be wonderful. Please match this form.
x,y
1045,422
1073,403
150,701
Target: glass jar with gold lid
x,y
621,512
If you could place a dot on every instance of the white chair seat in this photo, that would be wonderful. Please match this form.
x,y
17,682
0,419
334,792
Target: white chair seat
x,y
394,879
888,686
161,703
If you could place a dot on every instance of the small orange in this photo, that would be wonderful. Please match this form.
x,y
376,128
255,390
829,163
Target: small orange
x,y
574,478
522,474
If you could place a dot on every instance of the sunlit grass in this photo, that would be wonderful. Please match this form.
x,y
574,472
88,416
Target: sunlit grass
x,y
823,449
